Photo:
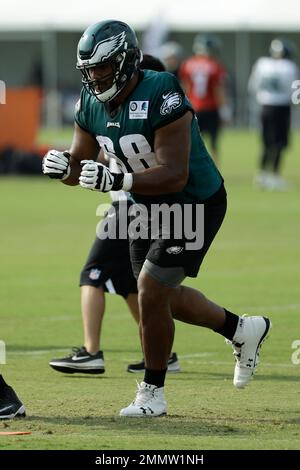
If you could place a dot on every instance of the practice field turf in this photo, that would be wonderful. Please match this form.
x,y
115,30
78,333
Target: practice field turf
x,y
252,268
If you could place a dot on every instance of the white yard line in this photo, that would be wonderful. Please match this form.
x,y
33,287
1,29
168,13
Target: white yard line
x,y
276,308
36,352
189,358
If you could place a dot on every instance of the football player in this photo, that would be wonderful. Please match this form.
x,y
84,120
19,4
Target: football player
x,y
203,78
107,269
143,121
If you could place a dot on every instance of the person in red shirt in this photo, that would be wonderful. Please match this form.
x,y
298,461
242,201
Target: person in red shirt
x,y
203,77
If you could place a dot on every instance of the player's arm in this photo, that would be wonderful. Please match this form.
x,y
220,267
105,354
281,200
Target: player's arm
x,y
66,165
102,158
171,146
84,147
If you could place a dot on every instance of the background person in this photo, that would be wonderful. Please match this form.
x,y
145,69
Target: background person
x,y
203,79
270,83
171,53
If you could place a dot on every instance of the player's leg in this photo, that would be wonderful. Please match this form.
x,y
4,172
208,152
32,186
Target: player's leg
x,y
281,130
10,404
245,333
108,268
157,334
126,285
264,177
191,306
92,310
156,327
102,272
158,277
153,389
89,358
133,305
159,282
277,160
159,288
129,290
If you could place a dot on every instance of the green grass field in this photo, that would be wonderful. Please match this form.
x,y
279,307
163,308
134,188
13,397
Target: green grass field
x,y
253,267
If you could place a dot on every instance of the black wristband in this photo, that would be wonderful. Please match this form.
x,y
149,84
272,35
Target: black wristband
x,y
118,181
67,154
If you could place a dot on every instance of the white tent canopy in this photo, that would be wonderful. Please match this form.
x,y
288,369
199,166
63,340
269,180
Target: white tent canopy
x,y
178,15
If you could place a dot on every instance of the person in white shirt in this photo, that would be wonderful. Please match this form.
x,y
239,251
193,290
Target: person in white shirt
x,y
270,83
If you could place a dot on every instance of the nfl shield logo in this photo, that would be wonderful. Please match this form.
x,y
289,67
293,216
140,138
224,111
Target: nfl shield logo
x,y
94,274
138,109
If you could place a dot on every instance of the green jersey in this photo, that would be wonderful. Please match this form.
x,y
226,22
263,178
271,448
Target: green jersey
x,y
128,137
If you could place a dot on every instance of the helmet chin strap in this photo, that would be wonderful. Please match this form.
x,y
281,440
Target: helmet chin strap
x,y
107,95
112,92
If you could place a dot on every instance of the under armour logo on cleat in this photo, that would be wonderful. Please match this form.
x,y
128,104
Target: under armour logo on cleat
x,y
145,410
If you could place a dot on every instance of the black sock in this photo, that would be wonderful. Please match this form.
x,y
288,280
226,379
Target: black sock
x,y
264,160
155,377
229,328
3,384
277,160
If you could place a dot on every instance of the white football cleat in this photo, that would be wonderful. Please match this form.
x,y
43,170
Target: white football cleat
x,y
261,179
246,343
149,401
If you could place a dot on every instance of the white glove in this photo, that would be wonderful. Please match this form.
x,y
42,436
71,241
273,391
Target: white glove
x,y
99,178
56,164
96,176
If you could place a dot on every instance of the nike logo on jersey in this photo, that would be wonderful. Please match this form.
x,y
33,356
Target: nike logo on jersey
x,y
113,124
172,100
